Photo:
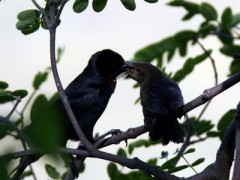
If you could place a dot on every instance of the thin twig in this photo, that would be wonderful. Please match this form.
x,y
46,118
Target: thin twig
x,y
28,101
18,100
199,140
42,11
12,126
189,164
212,61
78,130
60,9
215,75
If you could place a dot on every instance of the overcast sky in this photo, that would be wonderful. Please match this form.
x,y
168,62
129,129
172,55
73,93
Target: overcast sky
x,y
124,32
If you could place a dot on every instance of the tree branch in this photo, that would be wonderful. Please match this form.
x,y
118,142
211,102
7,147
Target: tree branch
x,y
12,126
18,100
220,169
52,30
212,92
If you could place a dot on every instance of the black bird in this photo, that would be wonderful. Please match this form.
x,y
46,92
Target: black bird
x,y
88,95
162,101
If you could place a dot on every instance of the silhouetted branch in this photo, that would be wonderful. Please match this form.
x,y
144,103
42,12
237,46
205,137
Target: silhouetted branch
x,y
220,169
210,93
52,29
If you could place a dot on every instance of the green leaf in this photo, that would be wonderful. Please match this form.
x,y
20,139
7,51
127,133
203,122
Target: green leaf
x,y
227,17
156,50
183,49
206,29
5,96
151,1
189,66
138,143
225,121
52,171
169,56
30,14
225,36
152,162
197,162
169,163
191,150
28,26
29,21
208,11
3,130
80,5
39,108
3,85
178,168
192,8
39,79
122,152
230,50
188,16
235,67
129,4
4,92
235,20
99,5
112,170
203,127
213,134
183,37
22,93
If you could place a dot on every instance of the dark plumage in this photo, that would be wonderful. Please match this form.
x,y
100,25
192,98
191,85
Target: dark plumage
x,y
90,92
88,95
162,100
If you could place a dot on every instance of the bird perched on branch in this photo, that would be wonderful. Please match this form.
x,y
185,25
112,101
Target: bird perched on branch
x,y
162,102
88,96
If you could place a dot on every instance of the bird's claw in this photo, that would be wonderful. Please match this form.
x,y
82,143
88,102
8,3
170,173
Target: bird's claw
x,y
113,133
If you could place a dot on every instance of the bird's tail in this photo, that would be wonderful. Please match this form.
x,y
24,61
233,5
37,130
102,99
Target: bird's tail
x,y
167,129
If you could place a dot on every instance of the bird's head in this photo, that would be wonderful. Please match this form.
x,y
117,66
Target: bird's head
x,y
143,72
109,64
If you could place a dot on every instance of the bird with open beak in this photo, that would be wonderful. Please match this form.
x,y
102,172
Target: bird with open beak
x,y
162,102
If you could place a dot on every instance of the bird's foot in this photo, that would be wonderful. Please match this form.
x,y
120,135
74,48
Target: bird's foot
x,y
113,133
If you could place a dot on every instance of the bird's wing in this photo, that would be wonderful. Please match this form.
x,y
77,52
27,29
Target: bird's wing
x,y
173,94
152,99
84,98
82,93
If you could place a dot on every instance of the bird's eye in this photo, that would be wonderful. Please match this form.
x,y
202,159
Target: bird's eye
x,y
138,70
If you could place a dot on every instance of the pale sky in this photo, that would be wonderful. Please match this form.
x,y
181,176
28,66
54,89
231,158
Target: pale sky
x,y
124,32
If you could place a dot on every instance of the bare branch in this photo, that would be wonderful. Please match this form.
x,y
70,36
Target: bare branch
x,y
52,29
61,8
212,61
210,93
42,11
18,100
220,169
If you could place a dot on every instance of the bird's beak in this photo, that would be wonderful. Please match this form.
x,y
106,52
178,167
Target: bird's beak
x,y
127,65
